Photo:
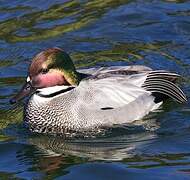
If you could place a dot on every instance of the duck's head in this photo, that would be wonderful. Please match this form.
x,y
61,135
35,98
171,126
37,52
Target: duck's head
x,y
49,68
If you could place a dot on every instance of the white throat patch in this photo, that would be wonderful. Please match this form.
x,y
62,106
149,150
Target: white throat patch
x,y
28,79
51,90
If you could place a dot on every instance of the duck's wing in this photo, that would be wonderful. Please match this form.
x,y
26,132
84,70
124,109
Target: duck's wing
x,y
112,91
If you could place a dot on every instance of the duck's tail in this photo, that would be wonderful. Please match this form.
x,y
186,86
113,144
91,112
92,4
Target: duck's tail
x,y
162,85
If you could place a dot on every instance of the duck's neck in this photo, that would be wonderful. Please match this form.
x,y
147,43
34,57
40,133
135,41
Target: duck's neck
x,y
44,95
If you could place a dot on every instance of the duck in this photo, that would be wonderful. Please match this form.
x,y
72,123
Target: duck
x,y
63,99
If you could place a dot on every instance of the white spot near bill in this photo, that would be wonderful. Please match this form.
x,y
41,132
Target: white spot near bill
x,y
28,79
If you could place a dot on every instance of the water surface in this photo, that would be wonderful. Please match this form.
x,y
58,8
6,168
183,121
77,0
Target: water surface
x,y
155,33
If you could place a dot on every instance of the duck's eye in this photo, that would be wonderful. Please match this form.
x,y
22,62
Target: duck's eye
x,y
44,71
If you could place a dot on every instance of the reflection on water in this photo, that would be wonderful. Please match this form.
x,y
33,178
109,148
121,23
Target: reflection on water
x,y
50,157
96,33
114,148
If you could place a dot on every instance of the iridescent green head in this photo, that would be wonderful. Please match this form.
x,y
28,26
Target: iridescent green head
x,y
53,67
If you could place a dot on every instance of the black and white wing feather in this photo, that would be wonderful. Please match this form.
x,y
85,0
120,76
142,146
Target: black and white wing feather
x,y
163,82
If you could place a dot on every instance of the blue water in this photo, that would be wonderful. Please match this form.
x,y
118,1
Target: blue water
x,y
154,33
